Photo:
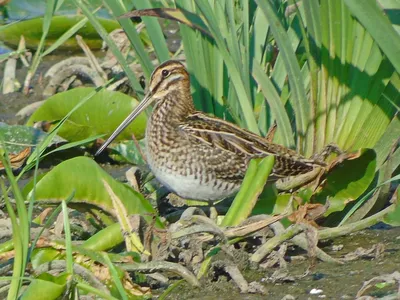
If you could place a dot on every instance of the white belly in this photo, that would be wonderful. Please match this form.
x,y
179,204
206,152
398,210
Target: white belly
x,y
188,187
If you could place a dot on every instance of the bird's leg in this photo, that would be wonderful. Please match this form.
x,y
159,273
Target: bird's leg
x,y
176,201
294,182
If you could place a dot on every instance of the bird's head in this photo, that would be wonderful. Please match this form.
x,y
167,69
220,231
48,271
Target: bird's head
x,y
170,77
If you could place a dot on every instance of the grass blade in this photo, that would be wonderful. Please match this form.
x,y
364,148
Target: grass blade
x,y
234,71
155,33
50,9
69,33
117,10
18,267
104,35
277,108
68,244
299,98
115,277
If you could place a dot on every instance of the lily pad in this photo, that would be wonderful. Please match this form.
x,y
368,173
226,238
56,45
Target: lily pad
x,y
16,138
101,114
348,180
32,32
85,177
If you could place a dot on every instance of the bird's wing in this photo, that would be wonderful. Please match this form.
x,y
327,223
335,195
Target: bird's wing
x,y
229,137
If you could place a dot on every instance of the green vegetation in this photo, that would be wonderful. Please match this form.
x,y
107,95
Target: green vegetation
x,y
322,71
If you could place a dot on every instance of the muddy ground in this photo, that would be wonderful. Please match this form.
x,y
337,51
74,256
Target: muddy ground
x,y
333,281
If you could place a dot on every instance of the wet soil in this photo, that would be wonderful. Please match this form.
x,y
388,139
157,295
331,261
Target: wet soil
x,y
11,103
335,281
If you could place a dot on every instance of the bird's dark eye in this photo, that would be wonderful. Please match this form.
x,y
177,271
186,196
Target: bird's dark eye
x,y
165,73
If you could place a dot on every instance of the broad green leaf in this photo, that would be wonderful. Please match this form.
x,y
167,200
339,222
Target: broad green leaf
x,y
46,285
370,199
32,32
348,180
43,255
378,25
270,202
19,142
84,176
101,114
18,137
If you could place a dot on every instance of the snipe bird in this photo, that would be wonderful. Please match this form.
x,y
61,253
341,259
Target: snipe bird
x,y
197,156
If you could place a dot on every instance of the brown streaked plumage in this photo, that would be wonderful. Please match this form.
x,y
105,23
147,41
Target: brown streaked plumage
x,y
197,156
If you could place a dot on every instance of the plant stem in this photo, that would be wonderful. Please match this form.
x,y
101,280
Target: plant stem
x,y
362,224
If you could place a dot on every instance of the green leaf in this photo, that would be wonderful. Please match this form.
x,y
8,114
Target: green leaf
x,y
252,186
111,45
154,30
233,66
17,138
117,8
101,114
85,176
271,203
128,151
299,99
43,255
276,106
68,243
46,284
348,180
115,275
393,218
132,240
378,25
32,32
105,239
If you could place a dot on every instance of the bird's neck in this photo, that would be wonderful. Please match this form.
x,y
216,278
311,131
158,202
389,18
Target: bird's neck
x,y
175,106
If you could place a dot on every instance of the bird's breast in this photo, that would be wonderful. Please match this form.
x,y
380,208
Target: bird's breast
x,y
182,166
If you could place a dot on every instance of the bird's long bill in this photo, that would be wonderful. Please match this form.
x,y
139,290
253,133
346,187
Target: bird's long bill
x,y
142,106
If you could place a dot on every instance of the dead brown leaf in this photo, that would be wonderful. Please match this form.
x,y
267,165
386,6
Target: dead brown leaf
x,y
308,213
375,252
342,157
18,159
